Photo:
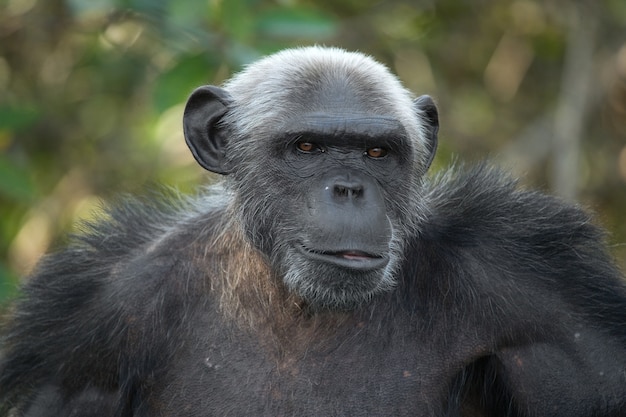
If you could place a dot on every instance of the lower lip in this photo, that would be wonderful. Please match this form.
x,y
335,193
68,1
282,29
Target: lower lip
x,y
348,260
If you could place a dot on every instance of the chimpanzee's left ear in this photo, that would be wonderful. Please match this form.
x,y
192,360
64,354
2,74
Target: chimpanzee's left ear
x,y
204,136
430,118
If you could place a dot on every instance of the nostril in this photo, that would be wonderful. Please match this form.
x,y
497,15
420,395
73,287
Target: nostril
x,y
357,192
348,191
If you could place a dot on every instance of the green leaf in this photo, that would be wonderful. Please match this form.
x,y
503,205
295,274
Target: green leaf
x,y
8,280
90,7
16,118
15,183
175,85
237,18
297,23
187,13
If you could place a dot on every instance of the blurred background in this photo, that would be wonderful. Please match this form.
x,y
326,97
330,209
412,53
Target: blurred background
x,y
92,92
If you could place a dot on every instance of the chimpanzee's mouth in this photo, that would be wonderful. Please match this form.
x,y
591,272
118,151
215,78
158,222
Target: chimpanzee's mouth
x,y
346,258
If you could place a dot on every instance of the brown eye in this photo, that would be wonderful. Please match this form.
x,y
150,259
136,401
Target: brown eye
x,y
305,146
376,152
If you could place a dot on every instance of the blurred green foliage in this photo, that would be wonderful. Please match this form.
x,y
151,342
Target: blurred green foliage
x,y
91,92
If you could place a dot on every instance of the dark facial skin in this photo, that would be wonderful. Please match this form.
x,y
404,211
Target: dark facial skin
x,y
345,230
345,164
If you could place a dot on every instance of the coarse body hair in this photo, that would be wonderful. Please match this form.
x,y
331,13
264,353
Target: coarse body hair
x,y
521,265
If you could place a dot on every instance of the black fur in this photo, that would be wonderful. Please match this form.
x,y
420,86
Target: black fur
x,y
506,302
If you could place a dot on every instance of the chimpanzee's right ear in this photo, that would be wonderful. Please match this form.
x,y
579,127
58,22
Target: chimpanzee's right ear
x,y
204,136
430,119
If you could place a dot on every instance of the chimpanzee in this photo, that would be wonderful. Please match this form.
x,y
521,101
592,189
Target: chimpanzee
x,y
325,275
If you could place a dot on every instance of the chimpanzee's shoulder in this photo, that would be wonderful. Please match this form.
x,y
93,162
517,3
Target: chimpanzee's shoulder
x,y
475,203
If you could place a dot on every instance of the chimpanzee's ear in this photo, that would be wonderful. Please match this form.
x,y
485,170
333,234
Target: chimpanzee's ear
x,y
203,134
430,118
